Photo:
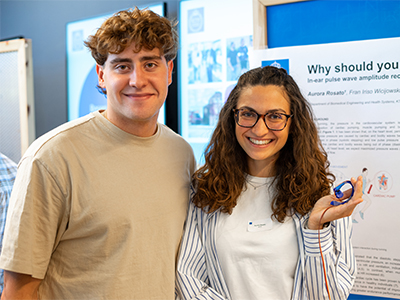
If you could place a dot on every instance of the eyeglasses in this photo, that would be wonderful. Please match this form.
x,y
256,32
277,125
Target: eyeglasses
x,y
248,118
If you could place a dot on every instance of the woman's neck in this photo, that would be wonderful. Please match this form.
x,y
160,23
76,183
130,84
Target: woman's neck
x,y
265,171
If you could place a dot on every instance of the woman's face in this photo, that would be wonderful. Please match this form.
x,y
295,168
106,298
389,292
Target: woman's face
x,y
262,145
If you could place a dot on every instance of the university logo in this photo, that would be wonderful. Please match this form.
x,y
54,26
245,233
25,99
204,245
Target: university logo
x,y
279,63
196,20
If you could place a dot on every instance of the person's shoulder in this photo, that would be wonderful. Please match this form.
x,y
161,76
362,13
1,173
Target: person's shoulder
x,y
59,136
6,162
172,138
168,133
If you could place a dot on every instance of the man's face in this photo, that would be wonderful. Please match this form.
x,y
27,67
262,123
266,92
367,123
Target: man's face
x,y
137,86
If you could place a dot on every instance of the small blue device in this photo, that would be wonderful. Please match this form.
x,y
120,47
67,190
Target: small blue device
x,y
339,193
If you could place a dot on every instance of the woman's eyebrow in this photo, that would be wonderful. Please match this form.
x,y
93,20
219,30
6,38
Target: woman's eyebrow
x,y
269,111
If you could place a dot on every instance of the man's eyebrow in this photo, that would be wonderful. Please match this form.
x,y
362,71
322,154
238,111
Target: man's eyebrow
x,y
150,57
120,60
129,60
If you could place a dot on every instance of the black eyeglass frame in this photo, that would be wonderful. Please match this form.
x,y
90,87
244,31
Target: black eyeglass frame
x,y
236,117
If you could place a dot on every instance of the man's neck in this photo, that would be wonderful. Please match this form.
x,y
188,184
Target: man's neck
x,y
137,128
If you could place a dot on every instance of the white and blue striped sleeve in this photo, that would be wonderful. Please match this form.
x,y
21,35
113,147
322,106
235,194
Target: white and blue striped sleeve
x,y
192,281
340,264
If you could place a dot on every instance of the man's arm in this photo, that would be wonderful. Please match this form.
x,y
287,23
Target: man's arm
x,y
20,286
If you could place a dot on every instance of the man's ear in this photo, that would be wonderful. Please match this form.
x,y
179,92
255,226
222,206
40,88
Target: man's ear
x,y
100,76
170,66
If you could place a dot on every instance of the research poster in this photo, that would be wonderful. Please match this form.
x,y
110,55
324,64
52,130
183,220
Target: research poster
x,y
354,89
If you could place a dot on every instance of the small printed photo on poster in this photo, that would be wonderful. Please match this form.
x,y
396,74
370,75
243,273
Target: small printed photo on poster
x,y
205,62
237,56
204,108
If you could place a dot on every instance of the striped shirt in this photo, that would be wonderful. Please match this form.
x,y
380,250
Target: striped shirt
x,y
199,274
8,171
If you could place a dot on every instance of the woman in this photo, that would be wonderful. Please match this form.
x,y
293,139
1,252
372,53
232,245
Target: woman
x,y
259,202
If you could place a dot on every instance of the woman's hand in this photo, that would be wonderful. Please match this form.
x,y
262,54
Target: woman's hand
x,y
335,212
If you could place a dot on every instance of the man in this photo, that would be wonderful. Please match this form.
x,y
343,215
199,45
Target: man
x,y
233,62
8,170
99,205
243,56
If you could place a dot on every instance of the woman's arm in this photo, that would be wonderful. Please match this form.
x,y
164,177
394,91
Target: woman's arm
x,y
329,251
192,280
338,261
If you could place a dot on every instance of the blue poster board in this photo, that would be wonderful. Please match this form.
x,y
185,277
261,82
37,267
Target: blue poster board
x,y
321,22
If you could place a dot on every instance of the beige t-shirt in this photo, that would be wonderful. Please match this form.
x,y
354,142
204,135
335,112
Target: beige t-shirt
x,y
98,213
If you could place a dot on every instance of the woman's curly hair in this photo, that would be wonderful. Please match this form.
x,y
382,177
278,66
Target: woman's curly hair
x,y
144,28
302,175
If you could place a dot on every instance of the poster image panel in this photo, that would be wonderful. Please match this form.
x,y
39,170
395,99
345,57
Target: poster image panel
x,y
204,62
237,56
212,41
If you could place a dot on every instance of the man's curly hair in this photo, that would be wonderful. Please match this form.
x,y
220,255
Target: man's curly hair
x,y
144,28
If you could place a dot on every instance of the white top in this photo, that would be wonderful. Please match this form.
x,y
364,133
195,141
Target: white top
x,y
200,276
258,255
